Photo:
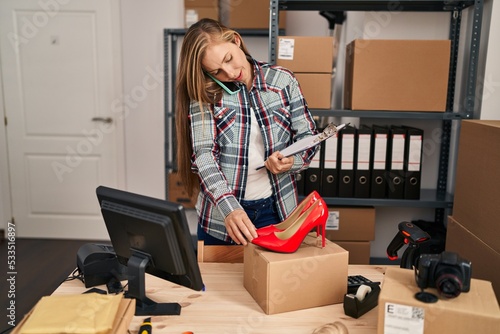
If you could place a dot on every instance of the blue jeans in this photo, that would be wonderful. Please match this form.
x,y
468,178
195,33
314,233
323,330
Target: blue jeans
x,y
262,212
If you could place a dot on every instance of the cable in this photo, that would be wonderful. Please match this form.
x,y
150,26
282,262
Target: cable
x,y
76,274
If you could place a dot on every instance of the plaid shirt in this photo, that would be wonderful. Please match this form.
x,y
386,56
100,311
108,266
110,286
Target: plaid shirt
x,y
220,144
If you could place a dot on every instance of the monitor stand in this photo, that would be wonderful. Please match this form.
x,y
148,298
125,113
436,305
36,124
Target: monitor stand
x,y
137,289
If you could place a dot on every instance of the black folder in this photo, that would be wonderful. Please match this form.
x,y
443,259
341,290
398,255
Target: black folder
x,y
329,173
299,180
379,162
312,179
413,162
345,161
362,162
395,163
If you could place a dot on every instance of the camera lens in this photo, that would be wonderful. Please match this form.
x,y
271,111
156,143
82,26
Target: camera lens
x,y
449,285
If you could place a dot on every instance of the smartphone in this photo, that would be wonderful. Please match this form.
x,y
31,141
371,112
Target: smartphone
x,y
229,87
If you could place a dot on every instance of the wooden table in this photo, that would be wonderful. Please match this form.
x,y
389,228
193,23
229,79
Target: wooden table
x,y
225,307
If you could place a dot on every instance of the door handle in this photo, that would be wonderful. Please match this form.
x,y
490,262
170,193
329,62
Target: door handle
x,y
107,120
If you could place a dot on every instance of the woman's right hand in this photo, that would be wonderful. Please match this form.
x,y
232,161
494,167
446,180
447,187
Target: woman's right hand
x,y
239,227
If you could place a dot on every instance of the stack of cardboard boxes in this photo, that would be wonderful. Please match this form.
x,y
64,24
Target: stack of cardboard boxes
x,y
311,59
352,228
473,230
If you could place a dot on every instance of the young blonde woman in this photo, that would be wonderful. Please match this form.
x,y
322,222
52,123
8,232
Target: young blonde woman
x,y
232,114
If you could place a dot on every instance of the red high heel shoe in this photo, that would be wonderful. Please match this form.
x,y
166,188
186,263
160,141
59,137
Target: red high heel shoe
x,y
289,240
303,206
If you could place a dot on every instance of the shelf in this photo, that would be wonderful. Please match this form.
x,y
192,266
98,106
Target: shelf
x,y
243,32
388,114
428,199
369,5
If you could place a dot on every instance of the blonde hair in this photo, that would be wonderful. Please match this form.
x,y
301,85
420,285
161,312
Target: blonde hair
x,y
194,85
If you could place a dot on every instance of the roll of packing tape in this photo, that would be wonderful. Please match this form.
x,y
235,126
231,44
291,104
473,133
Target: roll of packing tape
x,y
363,290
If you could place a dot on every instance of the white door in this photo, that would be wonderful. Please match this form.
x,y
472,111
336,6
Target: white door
x,y
62,86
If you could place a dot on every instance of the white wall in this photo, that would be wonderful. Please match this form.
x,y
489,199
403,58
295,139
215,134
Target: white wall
x,y
490,81
142,42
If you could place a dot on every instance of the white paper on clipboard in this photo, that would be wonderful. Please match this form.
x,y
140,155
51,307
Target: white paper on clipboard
x,y
309,142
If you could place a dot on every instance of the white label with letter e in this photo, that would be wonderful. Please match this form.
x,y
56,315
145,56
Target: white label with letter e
x,y
403,319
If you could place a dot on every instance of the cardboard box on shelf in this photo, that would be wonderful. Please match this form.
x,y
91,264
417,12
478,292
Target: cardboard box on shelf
x,y
399,75
317,89
476,311
177,193
306,54
351,224
485,260
477,184
310,277
195,10
359,251
237,14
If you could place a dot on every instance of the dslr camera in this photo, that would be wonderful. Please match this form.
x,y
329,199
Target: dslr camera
x,y
447,272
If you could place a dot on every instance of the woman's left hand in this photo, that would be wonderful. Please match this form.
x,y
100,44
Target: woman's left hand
x,y
277,163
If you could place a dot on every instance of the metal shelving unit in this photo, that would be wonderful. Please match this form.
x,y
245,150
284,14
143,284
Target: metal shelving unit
x,y
430,198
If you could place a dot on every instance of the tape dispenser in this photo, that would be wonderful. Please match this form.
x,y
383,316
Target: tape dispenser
x,y
366,298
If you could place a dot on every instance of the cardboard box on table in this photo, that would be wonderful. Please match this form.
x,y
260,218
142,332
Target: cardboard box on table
x,y
484,259
473,230
476,311
476,203
352,228
310,277
400,75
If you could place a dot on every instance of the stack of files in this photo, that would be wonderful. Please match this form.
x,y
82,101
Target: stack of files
x,y
370,162
413,162
395,162
362,172
345,161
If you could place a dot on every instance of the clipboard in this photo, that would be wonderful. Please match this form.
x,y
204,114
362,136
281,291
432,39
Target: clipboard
x,y
306,143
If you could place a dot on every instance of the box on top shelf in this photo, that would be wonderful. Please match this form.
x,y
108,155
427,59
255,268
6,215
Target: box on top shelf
x,y
195,10
399,75
238,14
476,311
476,202
306,54
272,278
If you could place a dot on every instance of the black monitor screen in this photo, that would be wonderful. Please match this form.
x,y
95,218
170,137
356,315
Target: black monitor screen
x,y
150,235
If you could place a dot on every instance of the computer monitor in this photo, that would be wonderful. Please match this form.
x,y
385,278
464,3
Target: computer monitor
x,y
152,236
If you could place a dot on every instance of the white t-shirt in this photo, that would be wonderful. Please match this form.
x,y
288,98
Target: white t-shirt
x,y
258,185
